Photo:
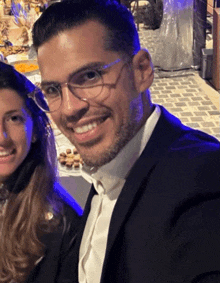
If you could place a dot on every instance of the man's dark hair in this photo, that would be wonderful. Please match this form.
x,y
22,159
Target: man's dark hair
x,y
122,35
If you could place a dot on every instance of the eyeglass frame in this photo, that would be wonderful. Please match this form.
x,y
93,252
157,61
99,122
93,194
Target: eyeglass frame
x,y
32,94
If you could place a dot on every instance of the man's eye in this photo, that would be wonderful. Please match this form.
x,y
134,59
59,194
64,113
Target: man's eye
x,y
87,78
50,91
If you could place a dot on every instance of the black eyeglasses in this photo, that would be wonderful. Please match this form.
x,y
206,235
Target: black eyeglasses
x,y
85,85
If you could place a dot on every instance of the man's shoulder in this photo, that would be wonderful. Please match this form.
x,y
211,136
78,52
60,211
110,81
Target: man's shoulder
x,y
197,141
194,158
184,135
187,151
179,137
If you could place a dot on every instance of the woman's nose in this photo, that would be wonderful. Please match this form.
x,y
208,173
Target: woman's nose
x,y
3,133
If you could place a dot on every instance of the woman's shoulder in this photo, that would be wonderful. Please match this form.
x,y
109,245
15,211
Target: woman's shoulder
x,y
60,243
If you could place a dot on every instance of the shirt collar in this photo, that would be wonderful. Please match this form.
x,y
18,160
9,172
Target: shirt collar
x,y
117,170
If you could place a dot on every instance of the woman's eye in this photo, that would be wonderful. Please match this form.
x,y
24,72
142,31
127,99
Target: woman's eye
x,y
16,119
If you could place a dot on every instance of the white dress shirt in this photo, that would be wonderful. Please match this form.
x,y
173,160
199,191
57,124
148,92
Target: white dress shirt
x,y
108,181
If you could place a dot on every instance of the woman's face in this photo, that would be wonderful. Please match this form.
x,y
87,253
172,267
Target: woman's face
x,y
16,131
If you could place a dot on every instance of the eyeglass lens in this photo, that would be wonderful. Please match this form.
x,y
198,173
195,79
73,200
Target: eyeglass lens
x,y
87,84
41,101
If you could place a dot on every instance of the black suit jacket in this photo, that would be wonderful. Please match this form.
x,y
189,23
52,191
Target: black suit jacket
x,y
165,226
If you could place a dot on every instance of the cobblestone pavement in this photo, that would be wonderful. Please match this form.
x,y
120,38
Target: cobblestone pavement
x,y
188,97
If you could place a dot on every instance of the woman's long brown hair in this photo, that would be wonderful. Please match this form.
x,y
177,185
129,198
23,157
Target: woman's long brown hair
x,y
31,192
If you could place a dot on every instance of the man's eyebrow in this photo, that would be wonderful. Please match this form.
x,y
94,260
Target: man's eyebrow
x,y
85,67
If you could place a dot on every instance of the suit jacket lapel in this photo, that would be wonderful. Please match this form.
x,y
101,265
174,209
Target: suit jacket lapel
x,y
167,130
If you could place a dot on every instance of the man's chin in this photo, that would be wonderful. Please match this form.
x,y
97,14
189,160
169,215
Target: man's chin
x,y
94,161
100,151
98,158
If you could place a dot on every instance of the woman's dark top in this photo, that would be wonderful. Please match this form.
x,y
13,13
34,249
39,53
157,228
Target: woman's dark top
x,y
60,261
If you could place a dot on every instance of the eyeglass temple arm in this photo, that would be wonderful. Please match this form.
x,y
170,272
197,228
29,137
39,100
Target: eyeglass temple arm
x,y
111,64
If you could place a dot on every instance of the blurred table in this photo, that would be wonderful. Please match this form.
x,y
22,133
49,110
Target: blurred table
x,y
77,187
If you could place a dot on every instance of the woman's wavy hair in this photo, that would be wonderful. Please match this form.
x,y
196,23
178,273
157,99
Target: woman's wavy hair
x,y
31,189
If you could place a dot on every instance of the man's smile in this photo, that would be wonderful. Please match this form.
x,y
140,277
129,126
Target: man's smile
x,y
88,129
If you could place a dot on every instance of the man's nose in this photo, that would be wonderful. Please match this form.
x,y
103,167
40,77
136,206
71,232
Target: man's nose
x,y
71,104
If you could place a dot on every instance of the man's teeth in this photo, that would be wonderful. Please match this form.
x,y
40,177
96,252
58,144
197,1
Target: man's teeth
x,y
86,128
5,153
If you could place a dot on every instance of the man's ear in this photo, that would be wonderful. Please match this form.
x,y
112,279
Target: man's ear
x,y
143,70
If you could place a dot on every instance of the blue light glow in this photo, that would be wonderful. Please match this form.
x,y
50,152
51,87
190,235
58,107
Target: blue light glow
x,y
68,198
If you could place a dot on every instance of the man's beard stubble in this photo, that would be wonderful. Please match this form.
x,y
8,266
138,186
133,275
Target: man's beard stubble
x,y
122,137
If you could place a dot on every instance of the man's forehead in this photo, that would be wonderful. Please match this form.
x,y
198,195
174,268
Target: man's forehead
x,y
90,35
87,30
72,49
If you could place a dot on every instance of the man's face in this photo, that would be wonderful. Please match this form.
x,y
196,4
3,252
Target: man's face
x,y
100,127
